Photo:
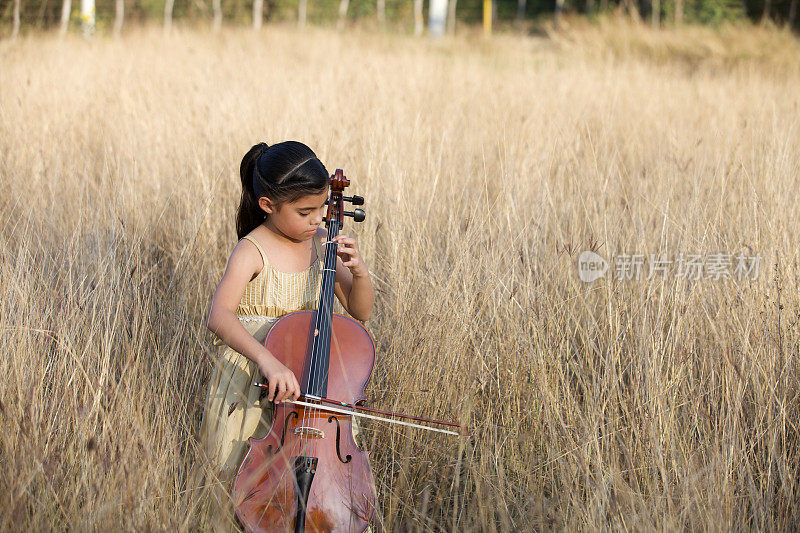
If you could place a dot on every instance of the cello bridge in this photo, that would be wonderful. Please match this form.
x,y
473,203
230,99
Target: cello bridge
x,y
313,433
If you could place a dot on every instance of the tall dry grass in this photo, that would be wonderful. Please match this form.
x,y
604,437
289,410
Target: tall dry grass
x,y
487,168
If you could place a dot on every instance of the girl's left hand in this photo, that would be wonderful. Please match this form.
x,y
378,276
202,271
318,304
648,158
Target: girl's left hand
x,y
351,258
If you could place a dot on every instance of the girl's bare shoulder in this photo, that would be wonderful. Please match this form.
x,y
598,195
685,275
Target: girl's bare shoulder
x,y
244,264
245,259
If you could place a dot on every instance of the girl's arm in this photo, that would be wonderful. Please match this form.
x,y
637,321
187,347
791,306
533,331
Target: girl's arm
x,y
243,263
353,285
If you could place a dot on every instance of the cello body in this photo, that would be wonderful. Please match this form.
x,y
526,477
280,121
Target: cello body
x,y
306,473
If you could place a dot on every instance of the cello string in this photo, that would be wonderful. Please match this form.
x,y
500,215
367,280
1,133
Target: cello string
x,y
325,321
311,365
316,347
328,330
321,320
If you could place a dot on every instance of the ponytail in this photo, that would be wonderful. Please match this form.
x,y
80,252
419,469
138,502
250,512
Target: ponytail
x,y
250,214
283,172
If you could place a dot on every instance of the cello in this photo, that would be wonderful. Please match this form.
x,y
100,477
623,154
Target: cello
x,y
307,473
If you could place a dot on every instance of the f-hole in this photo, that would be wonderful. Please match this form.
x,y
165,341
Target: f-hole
x,y
283,435
348,457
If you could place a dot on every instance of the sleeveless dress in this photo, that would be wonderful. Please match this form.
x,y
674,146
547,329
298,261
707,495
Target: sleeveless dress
x,y
234,411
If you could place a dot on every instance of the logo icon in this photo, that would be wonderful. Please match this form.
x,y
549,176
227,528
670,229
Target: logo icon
x,y
591,266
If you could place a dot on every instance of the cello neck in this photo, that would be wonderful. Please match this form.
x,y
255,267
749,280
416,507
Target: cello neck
x,y
316,383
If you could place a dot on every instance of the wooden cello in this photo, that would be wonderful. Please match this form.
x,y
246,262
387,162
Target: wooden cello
x,y
307,473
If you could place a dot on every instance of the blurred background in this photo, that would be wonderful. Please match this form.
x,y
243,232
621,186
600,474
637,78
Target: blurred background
x,y
491,158
403,16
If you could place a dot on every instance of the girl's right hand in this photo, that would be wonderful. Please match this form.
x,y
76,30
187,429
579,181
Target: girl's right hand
x,y
282,382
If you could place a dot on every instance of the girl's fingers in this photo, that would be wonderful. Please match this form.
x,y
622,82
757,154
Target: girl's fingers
x,y
272,390
348,251
344,240
281,392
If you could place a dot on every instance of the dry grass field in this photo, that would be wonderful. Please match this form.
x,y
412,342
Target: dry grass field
x,y
487,167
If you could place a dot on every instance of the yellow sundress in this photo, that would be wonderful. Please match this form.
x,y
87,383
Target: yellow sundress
x,y
233,408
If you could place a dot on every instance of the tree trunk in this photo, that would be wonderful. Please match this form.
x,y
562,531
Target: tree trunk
x,y
343,5
633,11
557,13
792,13
678,12
168,16
40,16
437,17
258,14
589,7
382,13
419,23
521,8
216,5
66,10
87,17
119,17
302,10
451,17
656,14
15,31
765,14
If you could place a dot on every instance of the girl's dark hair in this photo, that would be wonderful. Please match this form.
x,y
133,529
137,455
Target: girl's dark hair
x,y
283,172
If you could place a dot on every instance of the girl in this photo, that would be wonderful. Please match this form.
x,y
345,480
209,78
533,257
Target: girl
x,y
284,188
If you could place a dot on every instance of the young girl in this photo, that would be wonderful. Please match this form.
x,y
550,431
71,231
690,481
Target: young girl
x,y
275,268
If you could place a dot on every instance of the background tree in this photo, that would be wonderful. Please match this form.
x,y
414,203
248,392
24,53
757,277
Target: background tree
x,y
301,13
15,30
557,13
437,16
418,20
16,15
343,5
168,5
66,10
451,17
119,17
215,5
88,17
765,13
258,14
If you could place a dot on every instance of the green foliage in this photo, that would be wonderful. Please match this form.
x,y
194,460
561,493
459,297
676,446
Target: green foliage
x,y
713,12
43,14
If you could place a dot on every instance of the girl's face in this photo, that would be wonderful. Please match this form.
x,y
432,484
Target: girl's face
x,y
299,219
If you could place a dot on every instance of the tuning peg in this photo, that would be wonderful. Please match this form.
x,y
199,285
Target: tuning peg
x,y
357,214
355,200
